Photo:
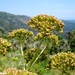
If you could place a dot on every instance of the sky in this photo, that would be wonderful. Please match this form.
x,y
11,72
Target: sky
x,y
61,9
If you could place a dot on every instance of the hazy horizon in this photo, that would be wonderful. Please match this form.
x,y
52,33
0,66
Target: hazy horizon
x,y
61,9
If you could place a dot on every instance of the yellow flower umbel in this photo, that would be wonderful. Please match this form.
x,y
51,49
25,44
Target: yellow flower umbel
x,y
5,46
49,37
45,23
46,26
63,61
20,34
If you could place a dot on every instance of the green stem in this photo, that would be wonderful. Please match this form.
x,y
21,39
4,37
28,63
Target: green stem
x,y
22,56
21,50
38,56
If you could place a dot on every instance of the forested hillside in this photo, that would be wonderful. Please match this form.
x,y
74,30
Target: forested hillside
x,y
8,22
69,25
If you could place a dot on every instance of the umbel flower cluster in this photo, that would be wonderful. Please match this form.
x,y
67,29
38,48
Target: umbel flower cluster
x,y
46,26
47,36
63,61
5,46
20,34
14,71
45,23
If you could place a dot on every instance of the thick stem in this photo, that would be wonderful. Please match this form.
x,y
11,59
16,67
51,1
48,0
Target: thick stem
x,y
21,49
22,57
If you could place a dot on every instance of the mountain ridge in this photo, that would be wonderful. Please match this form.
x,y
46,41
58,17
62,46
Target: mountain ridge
x,y
9,22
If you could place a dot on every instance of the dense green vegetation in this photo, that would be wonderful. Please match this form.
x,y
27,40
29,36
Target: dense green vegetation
x,y
46,53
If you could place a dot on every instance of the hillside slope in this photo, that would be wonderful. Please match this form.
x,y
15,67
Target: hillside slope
x,y
8,22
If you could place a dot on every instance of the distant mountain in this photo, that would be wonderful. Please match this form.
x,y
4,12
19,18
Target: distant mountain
x,y
8,22
69,25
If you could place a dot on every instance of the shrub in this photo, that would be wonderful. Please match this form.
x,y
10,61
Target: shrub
x,y
71,40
